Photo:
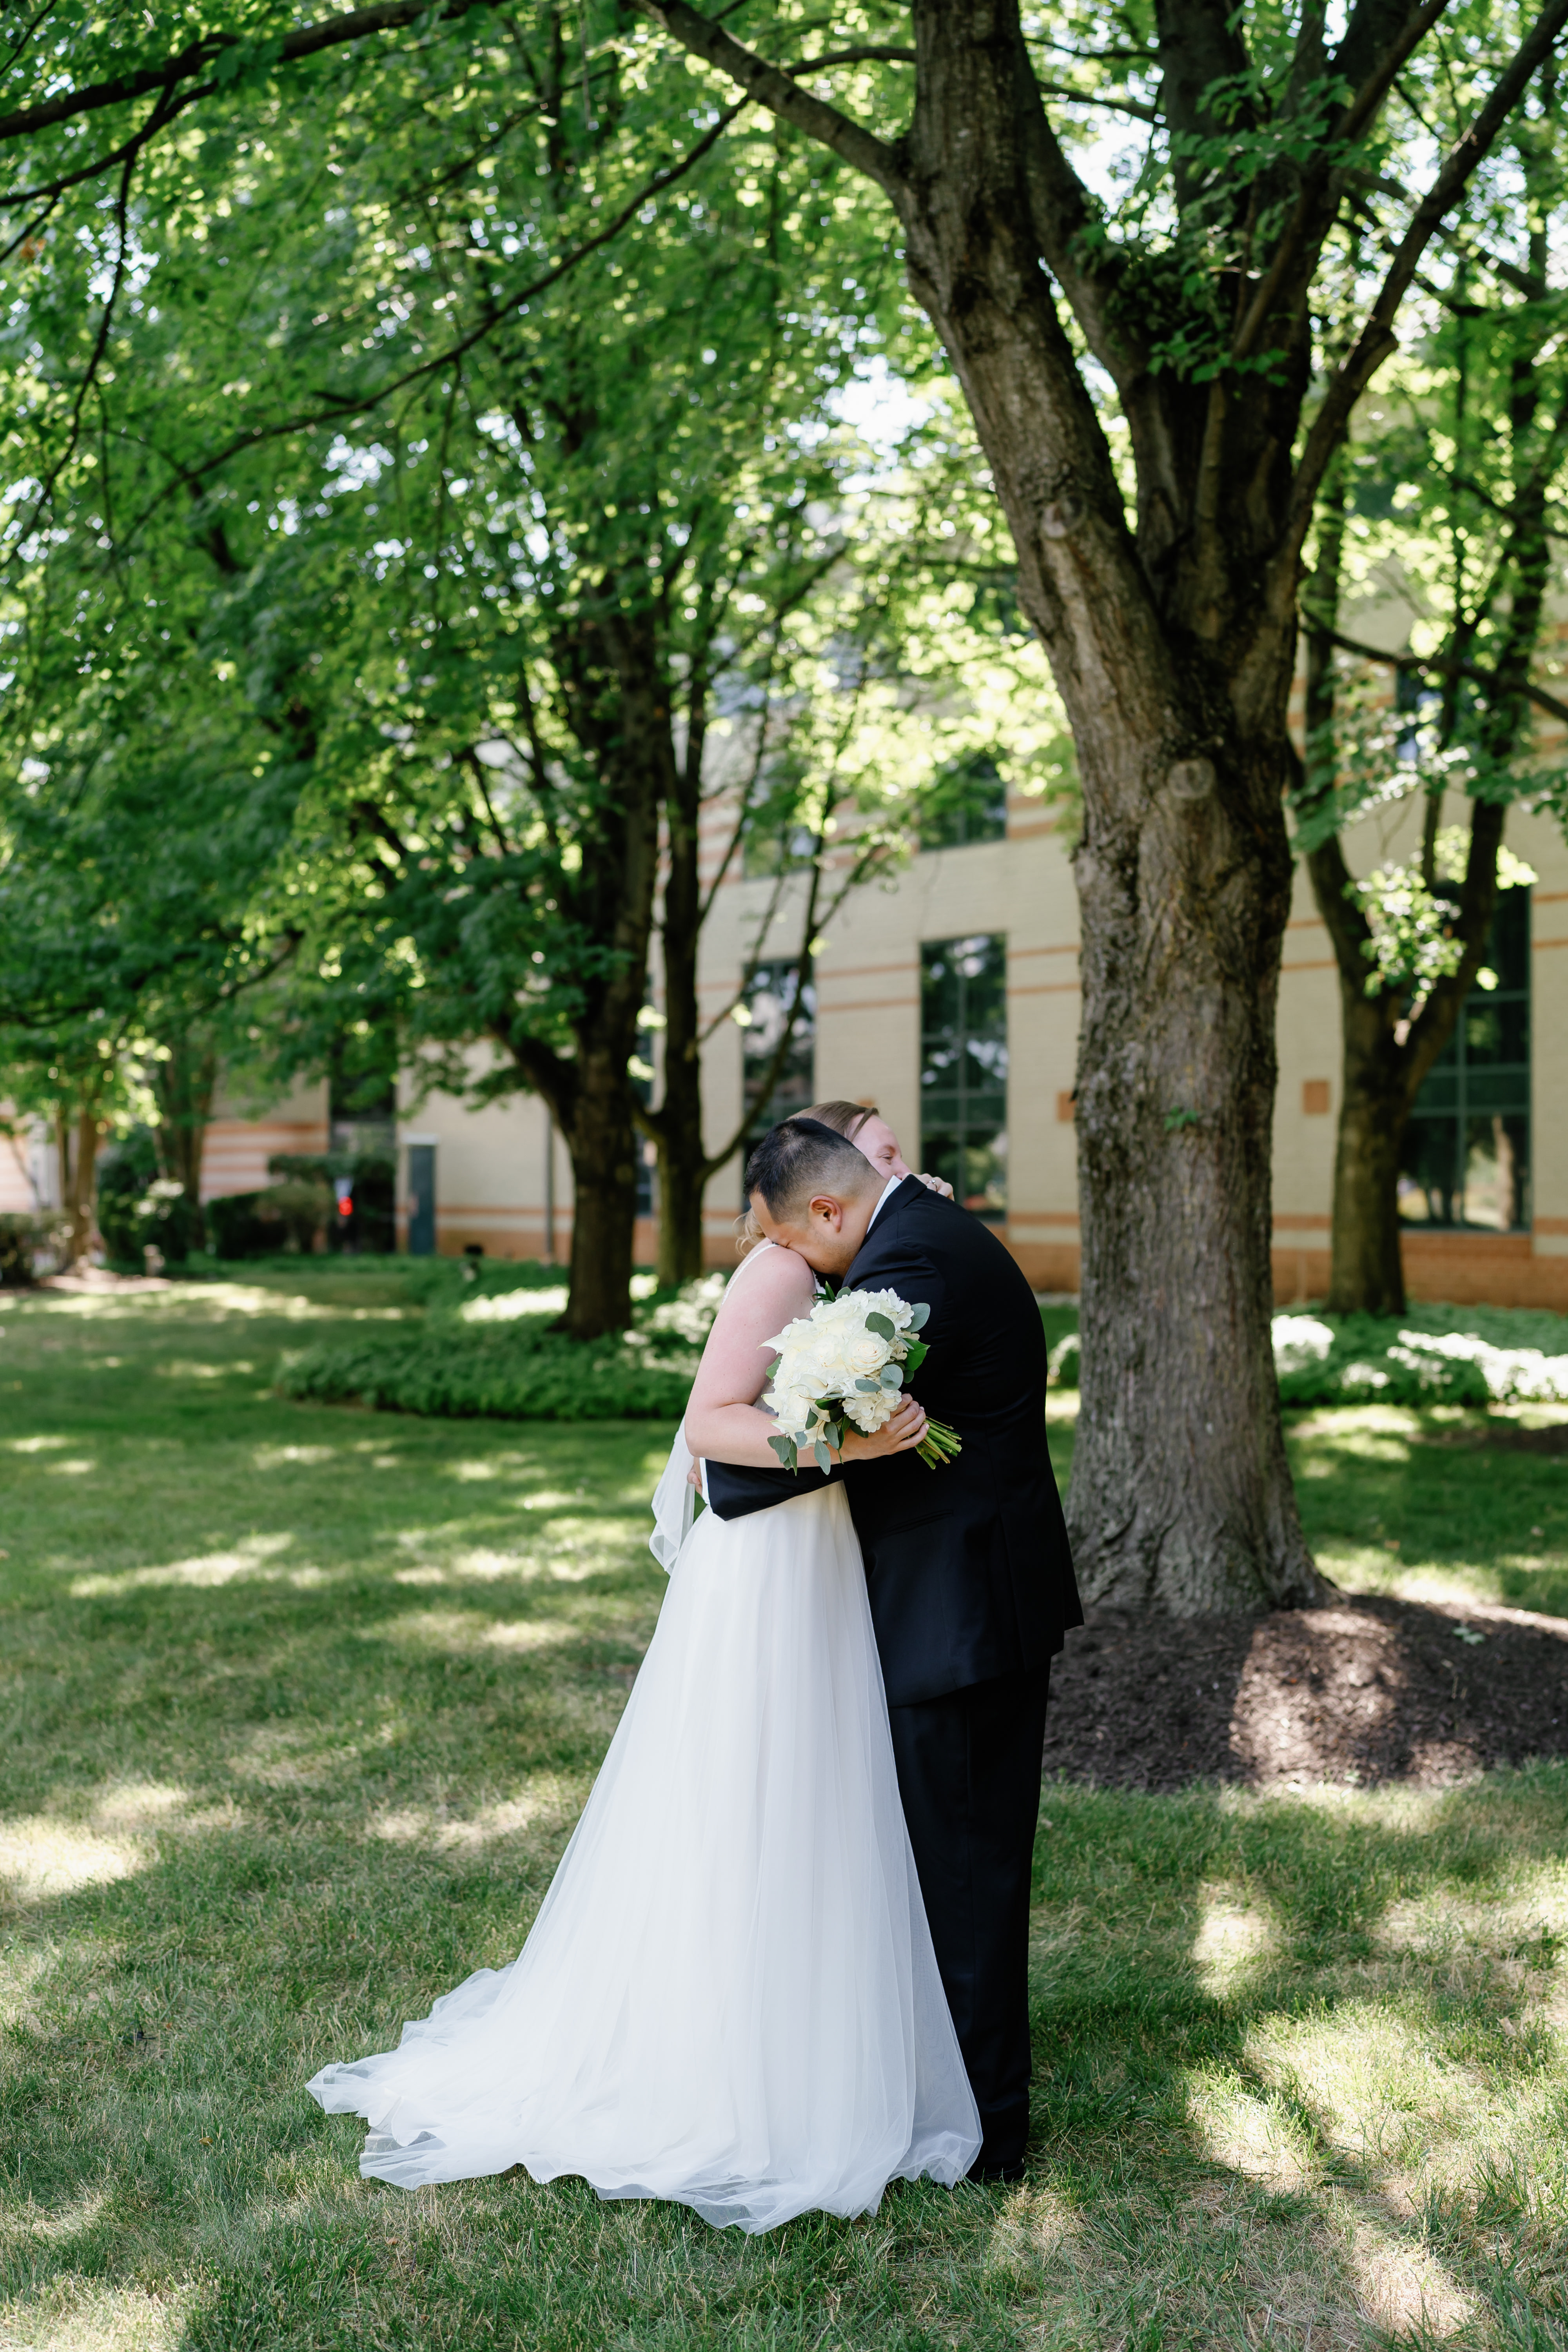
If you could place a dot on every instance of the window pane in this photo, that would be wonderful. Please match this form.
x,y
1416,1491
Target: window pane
x,y
1428,1172
968,804
963,1067
1467,1156
973,1160
1497,1029
1496,1173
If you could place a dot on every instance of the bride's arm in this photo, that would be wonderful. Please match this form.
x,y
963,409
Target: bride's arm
x,y
723,1423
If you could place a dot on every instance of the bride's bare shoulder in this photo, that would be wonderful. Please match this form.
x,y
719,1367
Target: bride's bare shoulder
x,y
777,1281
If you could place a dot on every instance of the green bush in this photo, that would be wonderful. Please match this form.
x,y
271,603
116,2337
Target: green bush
x,y
138,1208
237,1228
1430,1355
507,1371
27,1236
486,1349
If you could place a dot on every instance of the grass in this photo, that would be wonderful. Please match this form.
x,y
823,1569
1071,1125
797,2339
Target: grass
x,y
301,1703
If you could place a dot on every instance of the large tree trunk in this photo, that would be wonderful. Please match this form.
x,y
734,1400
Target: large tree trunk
x,y
682,1162
1180,1495
77,1143
620,713
602,1145
184,1085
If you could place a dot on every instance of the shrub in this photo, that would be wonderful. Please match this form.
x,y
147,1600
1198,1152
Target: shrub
x,y
32,1241
487,1349
138,1208
237,1228
506,1371
1431,1355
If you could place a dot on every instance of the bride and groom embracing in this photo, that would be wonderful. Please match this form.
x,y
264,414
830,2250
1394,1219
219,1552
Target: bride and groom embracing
x,y
783,1958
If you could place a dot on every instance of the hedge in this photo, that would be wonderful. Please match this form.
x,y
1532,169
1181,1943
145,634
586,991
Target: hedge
x,y
1430,1355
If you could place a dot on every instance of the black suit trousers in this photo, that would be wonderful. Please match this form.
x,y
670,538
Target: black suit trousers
x,y
969,1774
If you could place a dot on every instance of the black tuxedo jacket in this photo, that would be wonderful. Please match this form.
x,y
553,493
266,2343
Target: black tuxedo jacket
x,y
968,1566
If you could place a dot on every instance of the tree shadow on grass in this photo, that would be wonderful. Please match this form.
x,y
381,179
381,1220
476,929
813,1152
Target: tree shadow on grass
x,y
1287,2048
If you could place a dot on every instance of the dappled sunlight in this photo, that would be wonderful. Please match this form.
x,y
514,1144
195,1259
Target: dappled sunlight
x,y
23,2222
252,1557
551,1801
76,1466
1259,2138
77,2315
1234,1937
1273,1726
33,1444
455,1629
1377,2084
41,1856
1400,2283
283,1457
509,1305
1036,2221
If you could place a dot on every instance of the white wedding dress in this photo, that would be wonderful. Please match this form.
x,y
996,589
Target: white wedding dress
x,y
728,1997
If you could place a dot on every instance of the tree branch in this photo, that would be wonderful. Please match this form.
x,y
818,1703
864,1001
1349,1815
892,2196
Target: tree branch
x,y
308,42
1377,337
1418,665
773,87
1375,88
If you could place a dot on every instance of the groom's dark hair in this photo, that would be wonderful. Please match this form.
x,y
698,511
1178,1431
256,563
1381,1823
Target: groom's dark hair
x,y
800,1157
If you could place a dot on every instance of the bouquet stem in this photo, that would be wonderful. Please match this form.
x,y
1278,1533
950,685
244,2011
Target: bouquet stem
x,y
939,1444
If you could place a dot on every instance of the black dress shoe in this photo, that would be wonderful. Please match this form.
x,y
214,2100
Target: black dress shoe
x,y
990,2174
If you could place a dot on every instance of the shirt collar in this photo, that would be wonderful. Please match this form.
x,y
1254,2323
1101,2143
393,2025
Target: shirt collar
x,y
891,1186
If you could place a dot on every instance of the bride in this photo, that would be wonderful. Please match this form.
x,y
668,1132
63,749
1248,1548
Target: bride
x,y
730,1995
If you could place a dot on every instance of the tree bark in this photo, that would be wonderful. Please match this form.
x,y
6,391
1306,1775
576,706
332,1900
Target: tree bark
x,y
1176,676
184,1085
617,705
77,1144
683,1166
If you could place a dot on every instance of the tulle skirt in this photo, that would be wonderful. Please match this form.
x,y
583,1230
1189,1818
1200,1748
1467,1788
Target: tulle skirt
x,y
730,1995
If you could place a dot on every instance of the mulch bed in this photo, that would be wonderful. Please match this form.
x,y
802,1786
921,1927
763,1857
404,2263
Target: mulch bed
x,y
1369,1690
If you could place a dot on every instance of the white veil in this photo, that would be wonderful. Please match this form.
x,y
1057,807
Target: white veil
x,y
674,1504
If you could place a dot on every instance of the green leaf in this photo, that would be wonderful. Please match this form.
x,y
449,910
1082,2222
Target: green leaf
x,y
892,1376
785,1448
823,1459
880,1325
919,1316
915,1355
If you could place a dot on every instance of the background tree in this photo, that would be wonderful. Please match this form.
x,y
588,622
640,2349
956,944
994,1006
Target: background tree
x,y
1456,494
1159,452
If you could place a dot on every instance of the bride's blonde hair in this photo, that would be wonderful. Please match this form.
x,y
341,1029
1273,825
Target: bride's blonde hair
x,y
847,1118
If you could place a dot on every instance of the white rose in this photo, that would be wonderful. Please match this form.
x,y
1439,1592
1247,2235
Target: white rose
x,y
867,1355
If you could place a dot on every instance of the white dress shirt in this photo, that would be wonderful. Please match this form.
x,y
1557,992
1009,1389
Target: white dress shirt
x,y
891,1185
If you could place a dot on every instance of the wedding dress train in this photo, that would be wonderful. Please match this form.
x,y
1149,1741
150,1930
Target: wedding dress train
x,y
730,1995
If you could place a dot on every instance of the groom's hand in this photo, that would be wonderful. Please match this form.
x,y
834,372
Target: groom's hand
x,y
899,1435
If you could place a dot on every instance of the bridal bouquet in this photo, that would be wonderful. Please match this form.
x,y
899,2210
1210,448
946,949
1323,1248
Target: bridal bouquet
x,y
846,1361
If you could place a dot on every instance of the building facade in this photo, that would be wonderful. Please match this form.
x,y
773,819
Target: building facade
x,y
948,994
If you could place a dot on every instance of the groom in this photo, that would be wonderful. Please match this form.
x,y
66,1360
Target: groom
x,y
970,1577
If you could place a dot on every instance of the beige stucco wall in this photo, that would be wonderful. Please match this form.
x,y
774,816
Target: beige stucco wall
x,y
490,1163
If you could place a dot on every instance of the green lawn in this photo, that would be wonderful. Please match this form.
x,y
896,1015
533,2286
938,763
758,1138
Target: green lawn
x,y
301,1703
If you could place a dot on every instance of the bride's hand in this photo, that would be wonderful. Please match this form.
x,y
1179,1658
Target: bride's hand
x,y
899,1435
935,1185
